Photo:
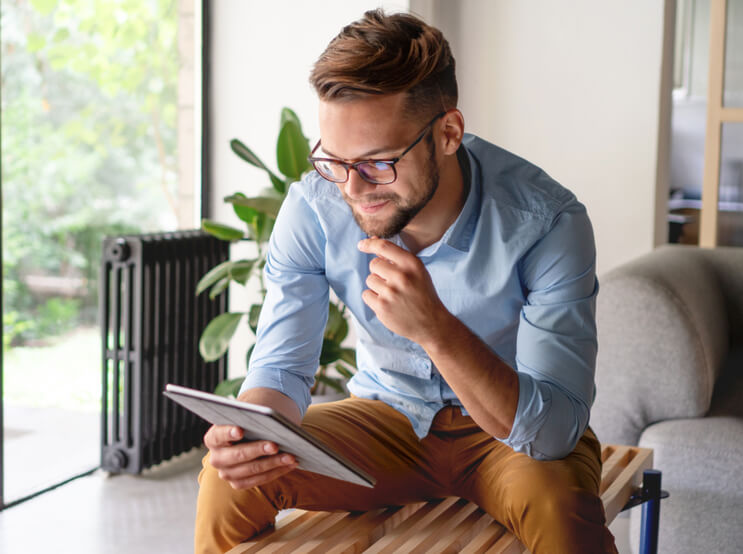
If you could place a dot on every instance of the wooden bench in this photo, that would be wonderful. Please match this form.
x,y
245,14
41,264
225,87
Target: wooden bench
x,y
448,525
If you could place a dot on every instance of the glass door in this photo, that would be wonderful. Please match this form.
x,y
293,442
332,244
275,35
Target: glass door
x,y
90,137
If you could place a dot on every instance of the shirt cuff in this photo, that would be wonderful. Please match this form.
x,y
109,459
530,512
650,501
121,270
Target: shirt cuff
x,y
294,386
548,424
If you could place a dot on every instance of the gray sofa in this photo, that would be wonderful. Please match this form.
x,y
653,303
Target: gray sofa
x,y
670,377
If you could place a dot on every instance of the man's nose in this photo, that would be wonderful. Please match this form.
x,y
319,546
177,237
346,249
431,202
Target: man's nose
x,y
356,187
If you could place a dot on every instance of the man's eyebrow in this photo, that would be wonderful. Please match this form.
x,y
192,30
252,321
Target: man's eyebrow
x,y
365,156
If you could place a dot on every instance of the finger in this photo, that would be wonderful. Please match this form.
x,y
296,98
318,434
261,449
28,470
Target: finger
x,y
371,299
256,467
384,268
237,454
385,249
376,284
222,435
262,479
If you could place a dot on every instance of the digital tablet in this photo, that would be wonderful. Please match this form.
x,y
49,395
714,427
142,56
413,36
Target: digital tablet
x,y
262,423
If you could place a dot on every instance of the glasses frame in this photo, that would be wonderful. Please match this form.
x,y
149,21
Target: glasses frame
x,y
354,165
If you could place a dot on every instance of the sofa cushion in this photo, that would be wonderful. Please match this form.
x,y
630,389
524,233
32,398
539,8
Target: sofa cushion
x,y
701,464
663,335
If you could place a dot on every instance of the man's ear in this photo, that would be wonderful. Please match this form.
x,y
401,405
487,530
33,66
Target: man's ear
x,y
453,131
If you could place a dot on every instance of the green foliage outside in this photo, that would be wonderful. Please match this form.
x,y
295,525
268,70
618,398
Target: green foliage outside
x,y
337,363
89,106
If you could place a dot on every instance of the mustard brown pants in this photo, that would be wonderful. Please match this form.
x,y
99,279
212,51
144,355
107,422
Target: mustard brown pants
x,y
551,506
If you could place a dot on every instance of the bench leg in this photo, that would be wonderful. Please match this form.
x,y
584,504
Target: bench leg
x,y
650,512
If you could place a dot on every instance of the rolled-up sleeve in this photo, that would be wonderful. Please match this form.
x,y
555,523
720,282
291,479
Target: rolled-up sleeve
x,y
556,343
295,310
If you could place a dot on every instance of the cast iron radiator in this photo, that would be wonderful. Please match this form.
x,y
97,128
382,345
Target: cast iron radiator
x,y
151,321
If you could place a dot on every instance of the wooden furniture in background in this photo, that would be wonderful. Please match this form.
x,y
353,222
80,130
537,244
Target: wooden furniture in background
x,y
717,114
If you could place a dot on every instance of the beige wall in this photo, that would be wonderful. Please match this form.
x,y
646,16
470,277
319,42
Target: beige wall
x,y
573,86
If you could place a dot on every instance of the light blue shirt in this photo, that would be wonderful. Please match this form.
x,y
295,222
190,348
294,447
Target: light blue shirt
x,y
517,267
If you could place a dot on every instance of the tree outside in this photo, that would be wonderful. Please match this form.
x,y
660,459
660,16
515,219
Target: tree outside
x,y
89,92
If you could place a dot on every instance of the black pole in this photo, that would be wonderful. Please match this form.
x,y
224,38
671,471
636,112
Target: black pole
x,y
650,511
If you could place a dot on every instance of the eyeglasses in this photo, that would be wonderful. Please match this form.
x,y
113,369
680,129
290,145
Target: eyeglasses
x,y
376,172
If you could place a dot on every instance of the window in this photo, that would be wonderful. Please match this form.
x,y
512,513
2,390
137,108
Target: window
x,y
98,134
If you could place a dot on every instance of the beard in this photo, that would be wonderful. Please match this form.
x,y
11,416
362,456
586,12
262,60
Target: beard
x,y
405,210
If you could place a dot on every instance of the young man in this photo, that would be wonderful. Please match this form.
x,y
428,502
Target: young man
x,y
471,278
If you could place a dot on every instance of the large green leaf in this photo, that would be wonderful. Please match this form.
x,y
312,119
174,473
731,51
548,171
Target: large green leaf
x,y
287,114
216,337
221,231
248,355
292,150
333,383
348,355
241,270
268,205
219,287
331,351
245,213
213,275
229,387
247,154
253,315
337,327
278,184
344,371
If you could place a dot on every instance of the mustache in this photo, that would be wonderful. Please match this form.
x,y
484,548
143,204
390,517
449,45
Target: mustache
x,y
370,198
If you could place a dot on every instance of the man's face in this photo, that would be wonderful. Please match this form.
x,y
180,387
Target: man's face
x,y
374,128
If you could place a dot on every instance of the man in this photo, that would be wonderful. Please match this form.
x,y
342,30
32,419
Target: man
x,y
471,278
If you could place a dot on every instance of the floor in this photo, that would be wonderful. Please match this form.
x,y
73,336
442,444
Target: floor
x,y
103,514
125,514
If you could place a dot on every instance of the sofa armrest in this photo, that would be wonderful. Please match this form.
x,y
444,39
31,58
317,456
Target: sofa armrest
x,y
663,334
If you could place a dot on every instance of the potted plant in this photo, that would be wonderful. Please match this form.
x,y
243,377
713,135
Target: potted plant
x,y
337,363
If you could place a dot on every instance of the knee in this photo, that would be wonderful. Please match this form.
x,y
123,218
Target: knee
x,y
552,515
225,516
553,498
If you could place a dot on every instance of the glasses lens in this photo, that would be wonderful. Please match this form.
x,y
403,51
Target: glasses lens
x,y
380,173
331,171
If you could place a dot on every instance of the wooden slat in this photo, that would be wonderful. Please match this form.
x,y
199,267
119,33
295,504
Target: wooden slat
x,y
620,457
313,537
616,496
731,115
441,526
360,537
287,529
507,544
422,538
481,543
416,524
465,532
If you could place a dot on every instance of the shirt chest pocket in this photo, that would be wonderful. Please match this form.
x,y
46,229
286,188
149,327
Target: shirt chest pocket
x,y
374,356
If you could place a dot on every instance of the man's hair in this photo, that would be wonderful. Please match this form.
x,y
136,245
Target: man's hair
x,y
387,54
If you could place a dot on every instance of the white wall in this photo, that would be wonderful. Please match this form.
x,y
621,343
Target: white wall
x,y
573,86
262,53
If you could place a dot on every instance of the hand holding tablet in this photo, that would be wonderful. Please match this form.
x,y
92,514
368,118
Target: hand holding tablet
x,y
262,423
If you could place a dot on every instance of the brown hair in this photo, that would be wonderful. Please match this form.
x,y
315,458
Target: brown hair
x,y
388,54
